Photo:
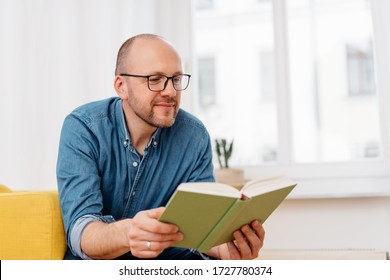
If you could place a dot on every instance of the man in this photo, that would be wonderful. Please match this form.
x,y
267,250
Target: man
x,y
121,159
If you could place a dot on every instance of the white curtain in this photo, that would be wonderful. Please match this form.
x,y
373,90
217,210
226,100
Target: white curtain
x,y
54,56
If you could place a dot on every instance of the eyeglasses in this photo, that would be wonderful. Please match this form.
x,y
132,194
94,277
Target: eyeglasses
x,y
160,82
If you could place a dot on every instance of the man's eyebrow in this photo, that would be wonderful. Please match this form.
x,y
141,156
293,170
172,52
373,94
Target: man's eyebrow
x,y
164,74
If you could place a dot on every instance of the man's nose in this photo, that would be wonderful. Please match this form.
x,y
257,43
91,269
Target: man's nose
x,y
169,89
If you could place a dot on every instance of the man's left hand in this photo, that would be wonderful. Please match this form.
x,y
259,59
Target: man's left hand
x,y
248,241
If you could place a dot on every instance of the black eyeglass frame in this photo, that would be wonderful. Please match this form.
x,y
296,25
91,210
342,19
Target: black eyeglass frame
x,y
165,83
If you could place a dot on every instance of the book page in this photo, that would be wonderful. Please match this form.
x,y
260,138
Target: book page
x,y
264,185
211,188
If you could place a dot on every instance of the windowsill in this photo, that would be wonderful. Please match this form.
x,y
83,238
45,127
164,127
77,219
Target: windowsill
x,y
330,180
341,188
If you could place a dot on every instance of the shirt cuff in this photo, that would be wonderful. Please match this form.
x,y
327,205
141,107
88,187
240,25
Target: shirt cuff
x,y
77,231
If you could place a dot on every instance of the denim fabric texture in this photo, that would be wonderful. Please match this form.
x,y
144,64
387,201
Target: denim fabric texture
x,y
102,177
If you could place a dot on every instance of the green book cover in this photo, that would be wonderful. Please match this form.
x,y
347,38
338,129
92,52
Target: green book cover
x,y
208,213
244,212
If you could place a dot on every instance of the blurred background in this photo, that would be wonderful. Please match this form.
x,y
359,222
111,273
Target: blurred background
x,y
300,85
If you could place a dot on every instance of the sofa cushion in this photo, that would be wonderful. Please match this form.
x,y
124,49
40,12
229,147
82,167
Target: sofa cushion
x,y
31,226
4,189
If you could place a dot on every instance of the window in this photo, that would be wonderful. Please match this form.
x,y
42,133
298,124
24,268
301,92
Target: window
x,y
267,75
360,67
296,88
206,82
242,95
204,4
327,126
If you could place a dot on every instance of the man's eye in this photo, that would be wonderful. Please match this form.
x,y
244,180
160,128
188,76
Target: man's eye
x,y
177,79
156,80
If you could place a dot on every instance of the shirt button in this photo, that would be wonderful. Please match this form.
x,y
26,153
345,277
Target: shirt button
x,y
135,164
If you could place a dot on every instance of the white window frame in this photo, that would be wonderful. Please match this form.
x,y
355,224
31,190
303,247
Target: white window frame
x,y
338,179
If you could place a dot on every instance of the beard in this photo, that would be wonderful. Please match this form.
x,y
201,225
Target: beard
x,y
152,120
147,113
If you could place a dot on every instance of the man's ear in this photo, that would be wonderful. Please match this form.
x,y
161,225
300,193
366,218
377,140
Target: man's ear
x,y
120,87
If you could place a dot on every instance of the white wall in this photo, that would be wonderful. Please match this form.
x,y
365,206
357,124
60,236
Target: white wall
x,y
56,55
339,223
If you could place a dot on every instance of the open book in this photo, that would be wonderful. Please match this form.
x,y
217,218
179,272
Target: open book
x,y
208,213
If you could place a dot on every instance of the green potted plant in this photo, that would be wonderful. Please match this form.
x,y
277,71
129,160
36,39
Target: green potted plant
x,y
226,174
224,152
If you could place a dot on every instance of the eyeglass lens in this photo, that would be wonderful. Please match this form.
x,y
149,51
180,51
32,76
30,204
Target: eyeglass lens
x,y
158,82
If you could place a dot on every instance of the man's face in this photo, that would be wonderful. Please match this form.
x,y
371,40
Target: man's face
x,y
153,57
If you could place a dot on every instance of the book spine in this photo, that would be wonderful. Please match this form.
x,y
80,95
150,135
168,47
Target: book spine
x,y
212,239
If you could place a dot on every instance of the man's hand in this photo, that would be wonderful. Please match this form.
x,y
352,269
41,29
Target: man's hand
x,y
143,235
148,237
246,245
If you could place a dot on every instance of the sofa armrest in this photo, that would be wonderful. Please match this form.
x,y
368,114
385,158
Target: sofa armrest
x,y
31,226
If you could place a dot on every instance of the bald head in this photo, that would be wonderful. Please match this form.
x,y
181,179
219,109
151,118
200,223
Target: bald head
x,y
124,54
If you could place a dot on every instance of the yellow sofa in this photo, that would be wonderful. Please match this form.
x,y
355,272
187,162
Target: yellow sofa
x,y
31,226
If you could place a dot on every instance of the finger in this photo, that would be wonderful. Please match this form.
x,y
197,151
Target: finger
x,y
260,232
145,254
252,240
234,253
138,238
254,236
147,221
258,228
142,249
156,212
156,226
141,235
143,246
242,244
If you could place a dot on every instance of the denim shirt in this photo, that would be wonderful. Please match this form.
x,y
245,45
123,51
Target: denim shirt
x,y
102,177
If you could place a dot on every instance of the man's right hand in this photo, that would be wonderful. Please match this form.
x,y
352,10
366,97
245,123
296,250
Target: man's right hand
x,y
144,235
148,237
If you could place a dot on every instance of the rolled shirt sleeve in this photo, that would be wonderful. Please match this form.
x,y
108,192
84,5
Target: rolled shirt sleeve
x,y
77,231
